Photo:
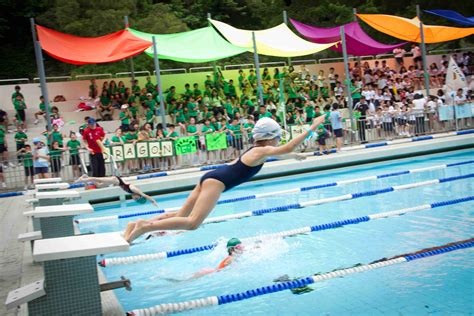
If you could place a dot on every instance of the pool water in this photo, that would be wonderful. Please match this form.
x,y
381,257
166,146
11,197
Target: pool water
x,y
441,284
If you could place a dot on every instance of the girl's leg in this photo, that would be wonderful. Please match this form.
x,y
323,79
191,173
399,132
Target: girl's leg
x,y
210,192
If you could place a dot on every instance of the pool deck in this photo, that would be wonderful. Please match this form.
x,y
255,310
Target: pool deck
x,y
16,264
17,269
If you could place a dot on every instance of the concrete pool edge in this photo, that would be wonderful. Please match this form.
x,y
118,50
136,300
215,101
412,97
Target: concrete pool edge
x,y
184,182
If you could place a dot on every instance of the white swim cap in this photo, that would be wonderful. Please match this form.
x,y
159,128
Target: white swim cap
x,y
266,128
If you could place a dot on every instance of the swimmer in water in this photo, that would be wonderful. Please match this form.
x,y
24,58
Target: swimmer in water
x,y
136,193
234,250
203,198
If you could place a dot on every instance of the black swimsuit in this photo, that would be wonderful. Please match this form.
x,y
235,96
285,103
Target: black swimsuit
x,y
233,174
124,186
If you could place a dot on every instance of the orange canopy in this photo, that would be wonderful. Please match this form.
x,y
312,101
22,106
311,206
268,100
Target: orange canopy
x,y
90,50
409,29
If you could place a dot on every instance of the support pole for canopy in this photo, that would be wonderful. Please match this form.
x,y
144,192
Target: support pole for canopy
x,y
285,20
348,78
158,83
423,52
354,14
41,74
132,66
257,69
214,66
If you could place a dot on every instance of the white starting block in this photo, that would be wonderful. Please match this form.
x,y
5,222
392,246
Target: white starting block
x,y
60,210
79,246
55,197
52,186
71,284
57,220
47,180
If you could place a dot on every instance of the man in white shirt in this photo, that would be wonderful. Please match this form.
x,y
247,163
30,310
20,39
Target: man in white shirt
x,y
416,51
398,54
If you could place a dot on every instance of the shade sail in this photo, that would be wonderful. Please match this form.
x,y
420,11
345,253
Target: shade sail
x,y
197,46
358,42
409,29
277,41
90,50
453,16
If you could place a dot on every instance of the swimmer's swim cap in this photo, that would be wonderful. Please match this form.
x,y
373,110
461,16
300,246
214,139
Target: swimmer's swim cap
x,y
141,200
266,128
233,242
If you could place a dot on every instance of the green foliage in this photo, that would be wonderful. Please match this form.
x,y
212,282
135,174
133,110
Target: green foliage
x,y
95,18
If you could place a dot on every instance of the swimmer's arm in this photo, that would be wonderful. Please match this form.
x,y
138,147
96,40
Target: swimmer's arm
x,y
291,145
293,156
146,196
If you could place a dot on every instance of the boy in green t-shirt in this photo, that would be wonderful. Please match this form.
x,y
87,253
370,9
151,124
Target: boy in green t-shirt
x,y
27,158
263,112
125,117
20,108
20,138
170,132
309,109
54,135
209,82
150,87
42,110
55,155
197,94
149,102
75,160
252,79
322,134
193,108
235,129
187,92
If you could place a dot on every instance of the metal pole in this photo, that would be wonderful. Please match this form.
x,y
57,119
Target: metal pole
x,y
257,69
283,103
158,83
285,20
214,66
348,78
132,66
423,53
41,73
354,12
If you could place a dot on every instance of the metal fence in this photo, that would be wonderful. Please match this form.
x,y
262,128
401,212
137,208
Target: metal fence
x,y
382,126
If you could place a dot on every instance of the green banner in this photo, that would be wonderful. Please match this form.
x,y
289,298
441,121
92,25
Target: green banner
x,y
215,141
185,145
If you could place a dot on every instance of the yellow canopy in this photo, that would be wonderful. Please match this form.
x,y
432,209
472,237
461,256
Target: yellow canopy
x,y
277,41
409,29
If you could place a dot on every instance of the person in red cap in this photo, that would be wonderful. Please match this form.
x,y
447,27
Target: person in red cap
x,y
92,136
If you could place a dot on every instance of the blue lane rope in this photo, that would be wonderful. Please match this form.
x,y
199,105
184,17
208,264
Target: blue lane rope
x,y
295,205
293,232
301,282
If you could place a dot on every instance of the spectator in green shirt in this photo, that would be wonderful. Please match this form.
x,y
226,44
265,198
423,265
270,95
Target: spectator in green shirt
x,y
252,78
150,87
105,110
20,138
242,80
193,108
197,94
309,109
170,132
135,87
55,155
322,134
149,102
248,126
209,82
125,117
74,159
17,93
20,108
236,130
42,110
54,135
187,91
263,112
170,94
27,158
232,93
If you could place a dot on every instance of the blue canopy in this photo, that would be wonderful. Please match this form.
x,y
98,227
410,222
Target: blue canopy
x,y
453,16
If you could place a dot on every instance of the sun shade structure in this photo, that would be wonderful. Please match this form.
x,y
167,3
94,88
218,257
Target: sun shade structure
x,y
409,29
197,46
277,41
453,16
90,50
358,42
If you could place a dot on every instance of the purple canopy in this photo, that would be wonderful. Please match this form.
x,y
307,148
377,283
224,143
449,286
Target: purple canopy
x,y
358,42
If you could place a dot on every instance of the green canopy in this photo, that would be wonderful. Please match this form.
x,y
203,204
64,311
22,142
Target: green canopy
x,y
197,46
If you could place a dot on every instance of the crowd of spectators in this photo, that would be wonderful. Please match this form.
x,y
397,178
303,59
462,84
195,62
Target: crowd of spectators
x,y
386,100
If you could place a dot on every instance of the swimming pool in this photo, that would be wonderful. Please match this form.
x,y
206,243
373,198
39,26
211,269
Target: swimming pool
x,y
441,284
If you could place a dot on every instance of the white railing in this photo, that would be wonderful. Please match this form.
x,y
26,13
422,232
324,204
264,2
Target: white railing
x,y
304,61
93,76
194,69
16,80
175,70
273,63
239,66
129,73
36,79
